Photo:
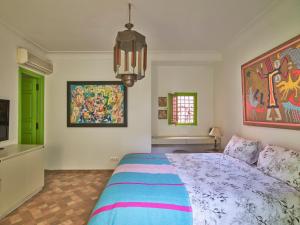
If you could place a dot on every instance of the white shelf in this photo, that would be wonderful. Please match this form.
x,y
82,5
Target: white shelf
x,y
185,140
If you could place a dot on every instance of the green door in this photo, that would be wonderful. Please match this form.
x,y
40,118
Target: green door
x,y
31,107
29,110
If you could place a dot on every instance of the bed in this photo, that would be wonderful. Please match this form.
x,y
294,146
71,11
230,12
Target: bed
x,y
194,189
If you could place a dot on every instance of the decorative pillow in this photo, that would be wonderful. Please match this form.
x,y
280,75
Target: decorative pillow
x,y
243,149
281,163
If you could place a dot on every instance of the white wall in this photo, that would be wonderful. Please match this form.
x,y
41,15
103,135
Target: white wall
x,y
9,42
91,148
276,26
183,77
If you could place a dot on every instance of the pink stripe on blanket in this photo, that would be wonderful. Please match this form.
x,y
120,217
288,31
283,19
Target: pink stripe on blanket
x,y
142,205
144,153
136,157
145,168
142,183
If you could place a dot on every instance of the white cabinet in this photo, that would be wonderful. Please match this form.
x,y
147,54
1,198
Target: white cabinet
x,y
21,175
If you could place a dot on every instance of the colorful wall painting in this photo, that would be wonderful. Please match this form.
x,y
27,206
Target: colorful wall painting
x,y
271,87
96,104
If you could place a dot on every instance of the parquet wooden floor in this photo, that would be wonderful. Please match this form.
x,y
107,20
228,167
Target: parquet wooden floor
x,y
67,199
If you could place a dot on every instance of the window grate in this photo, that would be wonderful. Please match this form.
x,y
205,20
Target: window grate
x,y
183,108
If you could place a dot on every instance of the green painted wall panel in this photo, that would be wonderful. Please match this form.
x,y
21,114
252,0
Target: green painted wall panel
x,y
29,110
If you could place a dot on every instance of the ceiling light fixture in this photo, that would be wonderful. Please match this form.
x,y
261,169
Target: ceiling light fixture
x,y
130,54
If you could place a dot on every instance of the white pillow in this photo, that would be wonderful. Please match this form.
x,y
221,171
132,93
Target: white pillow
x,y
281,163
243,149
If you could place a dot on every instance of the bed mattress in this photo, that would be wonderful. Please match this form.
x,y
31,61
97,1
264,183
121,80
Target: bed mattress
x,y
198,189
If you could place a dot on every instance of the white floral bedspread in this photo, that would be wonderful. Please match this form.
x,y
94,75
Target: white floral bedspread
x,y
227,191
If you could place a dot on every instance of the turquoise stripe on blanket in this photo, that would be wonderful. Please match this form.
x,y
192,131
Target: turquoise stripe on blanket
x,y
157,193
159,159
143,198
141,216
144,177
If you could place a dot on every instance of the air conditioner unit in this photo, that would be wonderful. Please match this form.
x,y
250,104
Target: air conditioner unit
x,y
25,58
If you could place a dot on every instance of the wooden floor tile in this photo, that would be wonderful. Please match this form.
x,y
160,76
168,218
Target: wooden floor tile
x,y
67,199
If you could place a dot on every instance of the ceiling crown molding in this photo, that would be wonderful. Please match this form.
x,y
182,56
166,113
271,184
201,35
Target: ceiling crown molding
x,y
22,36
254,21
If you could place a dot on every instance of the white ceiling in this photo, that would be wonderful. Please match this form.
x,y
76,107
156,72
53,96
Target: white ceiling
x,y
169,25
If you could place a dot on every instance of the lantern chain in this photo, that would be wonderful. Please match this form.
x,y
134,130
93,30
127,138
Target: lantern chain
x,y
129,7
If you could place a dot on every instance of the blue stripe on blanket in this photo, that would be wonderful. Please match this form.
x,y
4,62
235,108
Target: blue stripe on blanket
x,y
159,159
141,216
145,177
132,193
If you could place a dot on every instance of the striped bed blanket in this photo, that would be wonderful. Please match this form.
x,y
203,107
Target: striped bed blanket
x,y
143,190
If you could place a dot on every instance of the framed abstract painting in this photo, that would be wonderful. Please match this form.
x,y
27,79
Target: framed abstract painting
x,y
96,104
271,87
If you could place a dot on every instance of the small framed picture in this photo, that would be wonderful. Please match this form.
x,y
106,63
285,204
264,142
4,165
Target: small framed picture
x,y
162,101
162,114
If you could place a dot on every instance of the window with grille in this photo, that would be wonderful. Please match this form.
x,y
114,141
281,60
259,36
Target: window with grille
x,y
182,108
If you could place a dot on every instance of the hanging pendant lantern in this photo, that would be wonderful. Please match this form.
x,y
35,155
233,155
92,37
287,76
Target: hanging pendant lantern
x,y
130,54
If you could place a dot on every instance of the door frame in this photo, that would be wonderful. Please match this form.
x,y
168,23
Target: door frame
x,y
40,97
